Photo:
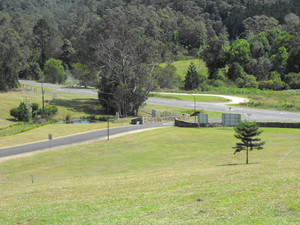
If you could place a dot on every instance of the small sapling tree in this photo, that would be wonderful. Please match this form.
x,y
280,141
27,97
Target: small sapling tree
x,y
248,133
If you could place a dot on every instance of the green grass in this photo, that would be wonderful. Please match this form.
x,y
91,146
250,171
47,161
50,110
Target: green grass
x,y
164,176
179,110
68,104
19,128
183,65
288,100
198,98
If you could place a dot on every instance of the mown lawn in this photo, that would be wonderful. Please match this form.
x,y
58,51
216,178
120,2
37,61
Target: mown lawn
x,y
68,104
164,176
191,98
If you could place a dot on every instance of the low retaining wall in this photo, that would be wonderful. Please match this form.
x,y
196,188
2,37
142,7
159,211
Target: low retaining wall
x,y
180,123
142,120
279,124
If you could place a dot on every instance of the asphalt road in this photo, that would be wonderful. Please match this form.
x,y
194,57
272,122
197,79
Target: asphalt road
x,y
250,114
77,138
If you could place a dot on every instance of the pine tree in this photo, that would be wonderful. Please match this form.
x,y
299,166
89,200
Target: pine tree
x,y
247,132
192,79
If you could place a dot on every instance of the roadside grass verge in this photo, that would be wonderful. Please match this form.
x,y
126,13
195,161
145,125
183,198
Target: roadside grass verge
x,y
178,110
57,130
189,97
19,127
163,176
288,100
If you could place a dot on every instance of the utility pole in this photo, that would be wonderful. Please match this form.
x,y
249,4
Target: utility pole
x,y
195,108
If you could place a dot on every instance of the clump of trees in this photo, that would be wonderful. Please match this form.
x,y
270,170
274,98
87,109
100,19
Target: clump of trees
x,y
31,112
117,45
265,60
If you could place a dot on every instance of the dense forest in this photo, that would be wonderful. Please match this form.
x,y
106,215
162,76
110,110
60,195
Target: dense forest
x,y
119,45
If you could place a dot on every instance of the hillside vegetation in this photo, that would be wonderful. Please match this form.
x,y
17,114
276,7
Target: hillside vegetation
x,y
117,46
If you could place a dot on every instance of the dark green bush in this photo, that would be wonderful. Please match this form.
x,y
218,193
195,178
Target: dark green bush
x,y
293,80
21,113
51,111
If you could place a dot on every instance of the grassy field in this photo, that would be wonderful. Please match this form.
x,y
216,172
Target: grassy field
x,y
198,98
164,176
288,100
68,104
281,100
183,65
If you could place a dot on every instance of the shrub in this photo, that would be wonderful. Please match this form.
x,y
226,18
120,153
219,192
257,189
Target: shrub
x,y
21,113
293,80
218,83
236,70
35,111
14,112
251,84
203,86
239,82
275,76
51,111
271,85
219,75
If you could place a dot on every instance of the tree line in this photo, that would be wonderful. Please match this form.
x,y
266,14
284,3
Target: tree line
x,y
118,45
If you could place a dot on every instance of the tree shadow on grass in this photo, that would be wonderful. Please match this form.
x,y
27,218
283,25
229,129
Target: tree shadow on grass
x,y
88,106
11,119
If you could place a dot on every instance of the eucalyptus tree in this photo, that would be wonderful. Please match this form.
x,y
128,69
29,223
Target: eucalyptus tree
x,y
45,42
125,59
13,56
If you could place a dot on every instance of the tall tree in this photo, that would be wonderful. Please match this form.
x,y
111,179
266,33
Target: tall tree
x,y
43,35
240,52
192,78
257,24
126,61
54,71
215,51
247,132
67,53
13,56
